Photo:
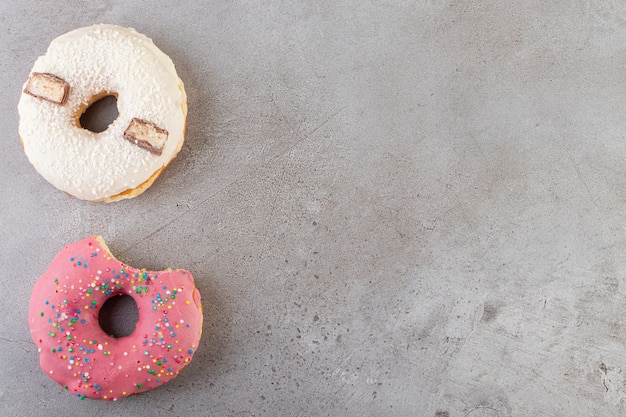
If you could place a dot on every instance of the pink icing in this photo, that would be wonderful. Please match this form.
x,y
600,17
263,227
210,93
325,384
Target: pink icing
x,y
78,354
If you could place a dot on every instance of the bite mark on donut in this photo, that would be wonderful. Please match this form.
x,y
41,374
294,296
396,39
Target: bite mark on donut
x,y
48,87
146,135
197,300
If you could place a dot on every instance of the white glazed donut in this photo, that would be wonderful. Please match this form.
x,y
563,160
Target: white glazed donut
x,y
79,68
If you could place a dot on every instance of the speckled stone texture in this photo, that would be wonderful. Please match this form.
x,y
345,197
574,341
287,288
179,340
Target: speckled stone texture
x,y
392,208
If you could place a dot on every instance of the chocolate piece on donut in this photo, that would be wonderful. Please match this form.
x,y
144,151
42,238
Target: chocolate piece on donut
x,y
48,87
146,135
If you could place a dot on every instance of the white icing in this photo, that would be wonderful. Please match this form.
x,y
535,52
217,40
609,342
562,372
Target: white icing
x,y
93,60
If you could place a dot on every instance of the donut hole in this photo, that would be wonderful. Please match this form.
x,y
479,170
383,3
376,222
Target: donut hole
x,y
99,115
118,316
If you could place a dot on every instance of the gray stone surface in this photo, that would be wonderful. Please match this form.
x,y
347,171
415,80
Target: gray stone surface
x,y
405,208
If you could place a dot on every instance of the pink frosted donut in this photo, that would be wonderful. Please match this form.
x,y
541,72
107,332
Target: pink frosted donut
x,y
78,354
